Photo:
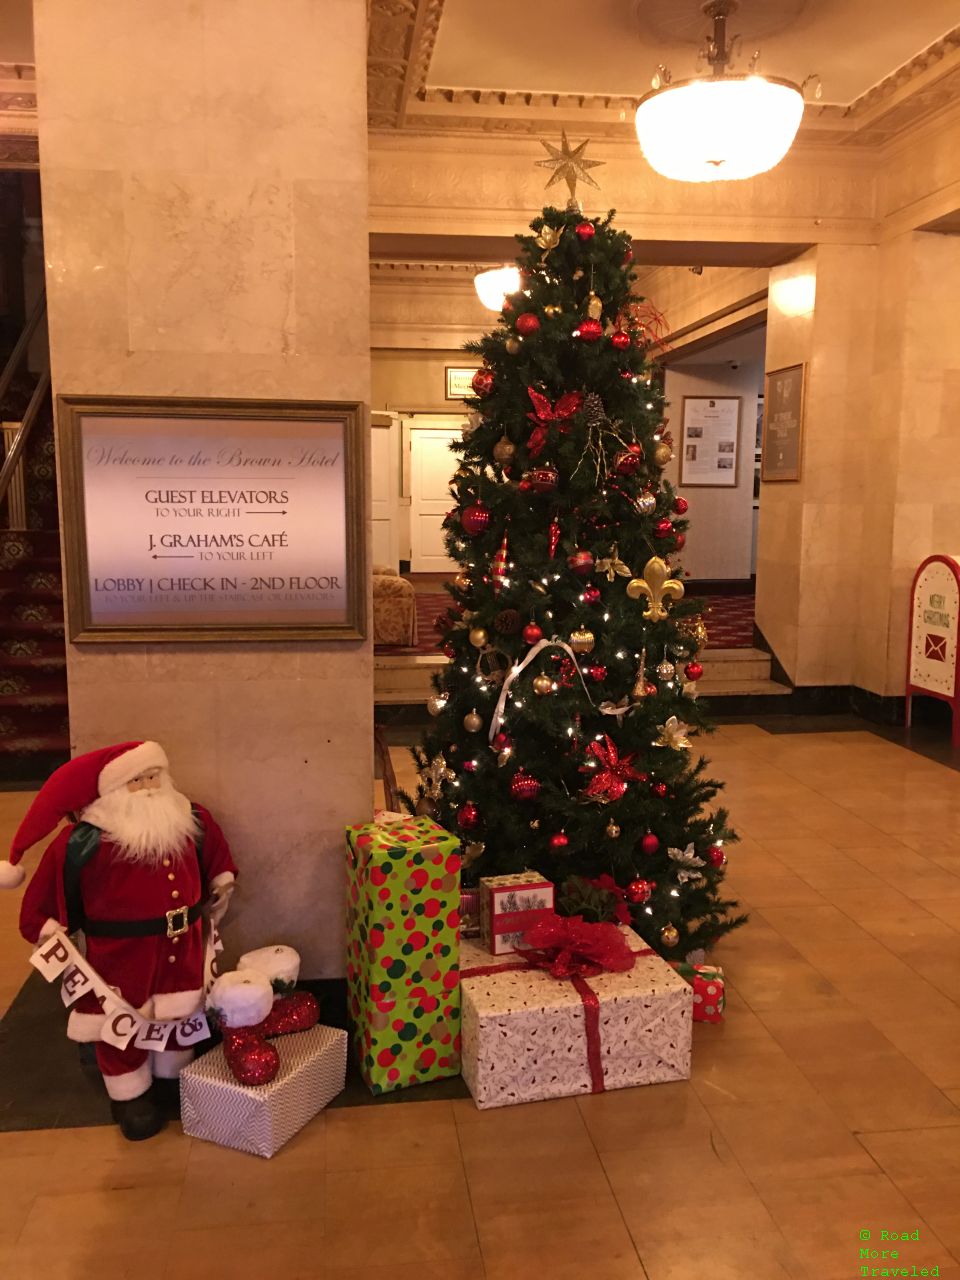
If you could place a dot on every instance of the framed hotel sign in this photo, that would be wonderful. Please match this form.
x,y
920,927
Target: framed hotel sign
x,y
782,447
213,519
459,382
710,441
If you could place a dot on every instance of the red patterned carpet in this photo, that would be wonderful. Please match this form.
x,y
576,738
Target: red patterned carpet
x,y
729,621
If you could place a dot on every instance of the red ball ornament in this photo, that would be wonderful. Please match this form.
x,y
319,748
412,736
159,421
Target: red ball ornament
x,y
448,650
627,375
591,594
628,256
527,323
640,890
715,856
649,843
544,479
559,840
589,330
580,563
468,816
482,382
681,506
597,672
693,670
680,541
501,741
475,519
620,340
659,789
470,766
586,230
524,485
628,461
663,528
523,786
532,633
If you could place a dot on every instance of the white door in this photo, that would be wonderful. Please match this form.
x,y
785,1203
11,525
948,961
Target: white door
x,y
385,489
431,467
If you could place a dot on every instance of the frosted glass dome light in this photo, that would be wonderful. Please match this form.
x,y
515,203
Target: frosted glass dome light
x,y
494,285
718,128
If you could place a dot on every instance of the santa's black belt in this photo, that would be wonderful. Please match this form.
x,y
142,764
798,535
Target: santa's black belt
x,y
172,925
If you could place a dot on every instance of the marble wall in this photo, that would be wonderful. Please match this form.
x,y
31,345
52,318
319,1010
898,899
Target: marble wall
x,y
206,235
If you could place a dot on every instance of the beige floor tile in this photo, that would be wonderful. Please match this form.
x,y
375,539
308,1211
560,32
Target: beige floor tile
x,y
468,1268
399,1213
579,1239
822,1219
945,909
294,1251
97,1260
790,983
656,1171
222,1187
927,1172
877,902
932,1044
753,1072
415,1133
801,1139
85,1219
628,1118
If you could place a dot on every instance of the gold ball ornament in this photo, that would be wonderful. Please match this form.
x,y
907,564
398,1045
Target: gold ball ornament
x,y
478,637
462,582
512,346
662,454
594,306
613,831
582,640
542,685
552,311
436,703
669,935
504,450
666,670
472,722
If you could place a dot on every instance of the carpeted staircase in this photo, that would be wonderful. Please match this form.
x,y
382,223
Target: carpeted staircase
x,y
34,730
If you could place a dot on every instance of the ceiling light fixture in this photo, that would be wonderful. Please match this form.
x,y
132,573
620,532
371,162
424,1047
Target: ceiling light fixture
x,y
718,127
494,284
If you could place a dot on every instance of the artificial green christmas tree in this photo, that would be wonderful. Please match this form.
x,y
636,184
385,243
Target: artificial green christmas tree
x,y
562,721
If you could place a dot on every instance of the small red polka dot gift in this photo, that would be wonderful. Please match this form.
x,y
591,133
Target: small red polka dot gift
x,y
403,951
708,993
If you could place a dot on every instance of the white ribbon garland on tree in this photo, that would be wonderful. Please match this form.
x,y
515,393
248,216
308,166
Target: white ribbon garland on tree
x,y
515,671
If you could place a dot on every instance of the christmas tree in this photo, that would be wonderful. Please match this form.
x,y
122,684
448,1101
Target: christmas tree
x,y
563,721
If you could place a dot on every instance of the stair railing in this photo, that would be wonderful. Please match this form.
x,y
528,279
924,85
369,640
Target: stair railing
x,y
16,446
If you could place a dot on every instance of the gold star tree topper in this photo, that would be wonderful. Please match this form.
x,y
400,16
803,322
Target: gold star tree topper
x,y
570,166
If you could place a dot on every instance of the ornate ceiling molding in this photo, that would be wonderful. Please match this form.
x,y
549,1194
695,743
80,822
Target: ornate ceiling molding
x,y
928,83
400,39
18,117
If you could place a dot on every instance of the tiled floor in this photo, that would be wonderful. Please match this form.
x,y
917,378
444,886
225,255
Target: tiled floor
x,y
828,1102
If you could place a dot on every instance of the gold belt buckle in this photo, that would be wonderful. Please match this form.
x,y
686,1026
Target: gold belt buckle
x,y
175,929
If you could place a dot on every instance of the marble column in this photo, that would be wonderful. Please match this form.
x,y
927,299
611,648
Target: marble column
x,y
204,175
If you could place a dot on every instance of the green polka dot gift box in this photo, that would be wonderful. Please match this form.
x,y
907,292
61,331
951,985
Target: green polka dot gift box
x,y
403,951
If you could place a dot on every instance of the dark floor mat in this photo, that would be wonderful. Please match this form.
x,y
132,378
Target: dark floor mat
x,y
48,1082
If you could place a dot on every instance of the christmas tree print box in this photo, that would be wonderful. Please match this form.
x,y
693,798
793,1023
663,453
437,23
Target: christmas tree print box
x,y
403,951
261,1118
529,1036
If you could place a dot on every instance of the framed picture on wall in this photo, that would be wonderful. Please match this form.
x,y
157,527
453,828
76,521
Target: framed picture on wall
x,y
459,382
710,441
213,520
782,449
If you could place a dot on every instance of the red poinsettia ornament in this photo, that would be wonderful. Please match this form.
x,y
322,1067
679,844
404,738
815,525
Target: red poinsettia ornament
x,y
546,414
611,771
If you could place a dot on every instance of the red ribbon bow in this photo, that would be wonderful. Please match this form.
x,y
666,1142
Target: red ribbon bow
x,y
571,947
610,781
545,413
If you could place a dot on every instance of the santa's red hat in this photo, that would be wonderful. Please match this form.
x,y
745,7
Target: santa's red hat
x,y
71,788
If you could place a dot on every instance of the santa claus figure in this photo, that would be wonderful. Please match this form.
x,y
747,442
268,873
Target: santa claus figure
x,y
146,876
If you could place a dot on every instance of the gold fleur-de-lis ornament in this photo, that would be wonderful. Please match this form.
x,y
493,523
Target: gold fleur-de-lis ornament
x,y
655,586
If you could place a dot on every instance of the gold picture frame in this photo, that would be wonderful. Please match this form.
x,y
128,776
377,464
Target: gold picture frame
x,y
282,531
781,450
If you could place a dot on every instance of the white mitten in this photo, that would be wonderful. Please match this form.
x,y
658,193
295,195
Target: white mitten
x,y
278,963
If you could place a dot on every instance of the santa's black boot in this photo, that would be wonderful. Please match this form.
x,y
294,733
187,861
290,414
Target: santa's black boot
x,y
140,1117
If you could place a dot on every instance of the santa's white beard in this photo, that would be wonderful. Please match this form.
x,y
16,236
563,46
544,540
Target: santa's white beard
x,y
146,826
